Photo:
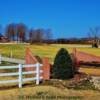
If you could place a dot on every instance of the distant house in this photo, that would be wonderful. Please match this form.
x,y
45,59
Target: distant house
x,y
3,39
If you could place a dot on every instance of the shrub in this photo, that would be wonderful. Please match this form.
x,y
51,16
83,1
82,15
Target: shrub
x,y
63,66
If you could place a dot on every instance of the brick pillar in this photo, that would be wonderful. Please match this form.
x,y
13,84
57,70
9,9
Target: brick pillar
x,y
30,59
77,63
27,58
46,69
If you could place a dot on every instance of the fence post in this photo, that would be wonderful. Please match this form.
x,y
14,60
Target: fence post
x,y
0,59
37,73
20,75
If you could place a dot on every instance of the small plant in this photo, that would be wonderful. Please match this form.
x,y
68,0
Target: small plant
x,y
63,66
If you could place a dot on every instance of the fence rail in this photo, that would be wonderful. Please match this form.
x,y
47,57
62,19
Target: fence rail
x,y
12,60
20,73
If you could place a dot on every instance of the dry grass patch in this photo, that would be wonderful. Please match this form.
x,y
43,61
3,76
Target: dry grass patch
x,y
91,71
14,94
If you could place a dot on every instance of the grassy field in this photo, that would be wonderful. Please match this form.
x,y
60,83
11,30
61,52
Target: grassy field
x,y
90,71
18,51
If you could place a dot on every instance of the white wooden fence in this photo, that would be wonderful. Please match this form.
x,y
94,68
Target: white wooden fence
x,y
12,60
20,73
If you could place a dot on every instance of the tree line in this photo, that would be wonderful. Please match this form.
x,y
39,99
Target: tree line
x,y
21,33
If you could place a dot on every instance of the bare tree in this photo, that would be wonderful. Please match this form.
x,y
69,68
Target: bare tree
x,y
21,32
36,35
31,33
11,31
39,35
94,34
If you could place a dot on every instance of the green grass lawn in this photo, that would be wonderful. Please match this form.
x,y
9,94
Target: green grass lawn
x,y
18,50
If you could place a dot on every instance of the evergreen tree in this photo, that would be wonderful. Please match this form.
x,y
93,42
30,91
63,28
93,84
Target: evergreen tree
x,y
63,66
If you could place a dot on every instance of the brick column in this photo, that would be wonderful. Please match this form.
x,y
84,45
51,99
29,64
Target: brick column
x,y
27,59
46,69
30,59
77,63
